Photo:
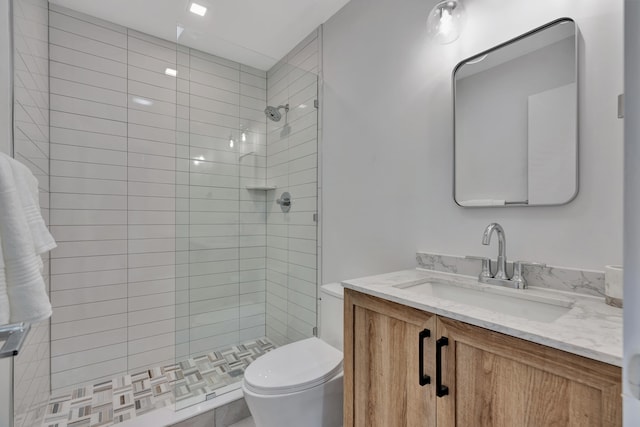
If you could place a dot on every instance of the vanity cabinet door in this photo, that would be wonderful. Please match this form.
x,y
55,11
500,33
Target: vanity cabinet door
x,y
382,366
495,380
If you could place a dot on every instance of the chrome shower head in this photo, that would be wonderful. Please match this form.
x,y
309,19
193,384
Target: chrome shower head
x,y
273,113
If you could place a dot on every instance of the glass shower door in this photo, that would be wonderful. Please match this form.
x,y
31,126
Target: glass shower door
x,y
246,270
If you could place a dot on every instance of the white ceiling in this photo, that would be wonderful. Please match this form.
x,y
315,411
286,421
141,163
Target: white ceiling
x,y
253,32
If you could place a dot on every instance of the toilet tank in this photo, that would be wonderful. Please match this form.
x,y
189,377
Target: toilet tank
x,y
332,314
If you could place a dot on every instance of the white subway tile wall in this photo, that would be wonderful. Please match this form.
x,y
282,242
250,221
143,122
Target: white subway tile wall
x,y
89,212
292,165
161,248
31,147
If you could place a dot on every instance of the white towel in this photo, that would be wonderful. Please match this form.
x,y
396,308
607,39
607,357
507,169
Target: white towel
x,y
23,236
27,186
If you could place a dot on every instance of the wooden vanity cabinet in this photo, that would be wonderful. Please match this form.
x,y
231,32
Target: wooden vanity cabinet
x,y
381,364
492,380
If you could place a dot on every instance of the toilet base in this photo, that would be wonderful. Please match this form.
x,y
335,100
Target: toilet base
x,y
319,406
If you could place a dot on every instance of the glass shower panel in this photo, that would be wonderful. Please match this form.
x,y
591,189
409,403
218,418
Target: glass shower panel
x,y
292,166
225,207
208,222
214,200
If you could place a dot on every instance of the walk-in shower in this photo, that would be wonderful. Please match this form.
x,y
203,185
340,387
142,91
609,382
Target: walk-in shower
x,y
273,113
175,266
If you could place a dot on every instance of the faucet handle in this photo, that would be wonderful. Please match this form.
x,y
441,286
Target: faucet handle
x,y
485,273
486,269
518,279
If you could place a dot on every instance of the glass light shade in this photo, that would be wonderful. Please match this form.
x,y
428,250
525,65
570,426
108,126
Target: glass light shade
x,y
446,21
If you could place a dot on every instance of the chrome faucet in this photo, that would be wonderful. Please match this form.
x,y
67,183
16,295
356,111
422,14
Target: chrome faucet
x,y
501,278
501,273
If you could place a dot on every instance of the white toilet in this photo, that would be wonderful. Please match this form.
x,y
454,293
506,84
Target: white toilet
x,y
300,384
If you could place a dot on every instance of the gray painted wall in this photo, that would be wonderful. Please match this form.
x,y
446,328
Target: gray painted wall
x,y
387,139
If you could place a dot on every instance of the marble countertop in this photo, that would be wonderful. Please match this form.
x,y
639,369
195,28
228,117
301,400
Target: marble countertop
x,y
590,328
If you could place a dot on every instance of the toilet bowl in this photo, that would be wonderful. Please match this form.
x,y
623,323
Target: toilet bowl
x,y
300,384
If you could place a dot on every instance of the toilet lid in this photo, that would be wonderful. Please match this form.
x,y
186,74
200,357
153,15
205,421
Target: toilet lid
x,y
293,367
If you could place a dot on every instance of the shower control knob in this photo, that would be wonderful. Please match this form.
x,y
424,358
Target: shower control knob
x,y
285,201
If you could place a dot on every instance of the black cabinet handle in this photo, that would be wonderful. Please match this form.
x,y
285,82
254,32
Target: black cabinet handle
x,y
423,379
441,390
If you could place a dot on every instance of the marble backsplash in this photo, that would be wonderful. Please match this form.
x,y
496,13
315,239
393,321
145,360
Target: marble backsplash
x,y
565,279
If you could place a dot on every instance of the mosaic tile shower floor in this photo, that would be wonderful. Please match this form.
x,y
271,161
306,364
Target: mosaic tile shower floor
x,y
123,398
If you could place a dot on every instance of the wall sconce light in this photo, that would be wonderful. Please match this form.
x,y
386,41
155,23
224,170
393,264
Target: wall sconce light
x,y
446,21
231,141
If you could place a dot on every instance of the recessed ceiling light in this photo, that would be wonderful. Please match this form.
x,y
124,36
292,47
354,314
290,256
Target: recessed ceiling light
x,y
198,9
171,72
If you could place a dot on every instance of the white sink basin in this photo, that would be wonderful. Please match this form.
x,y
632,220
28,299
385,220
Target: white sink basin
x,y
513,302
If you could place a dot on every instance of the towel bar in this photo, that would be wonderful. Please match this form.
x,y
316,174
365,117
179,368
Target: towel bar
x,y
13,337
